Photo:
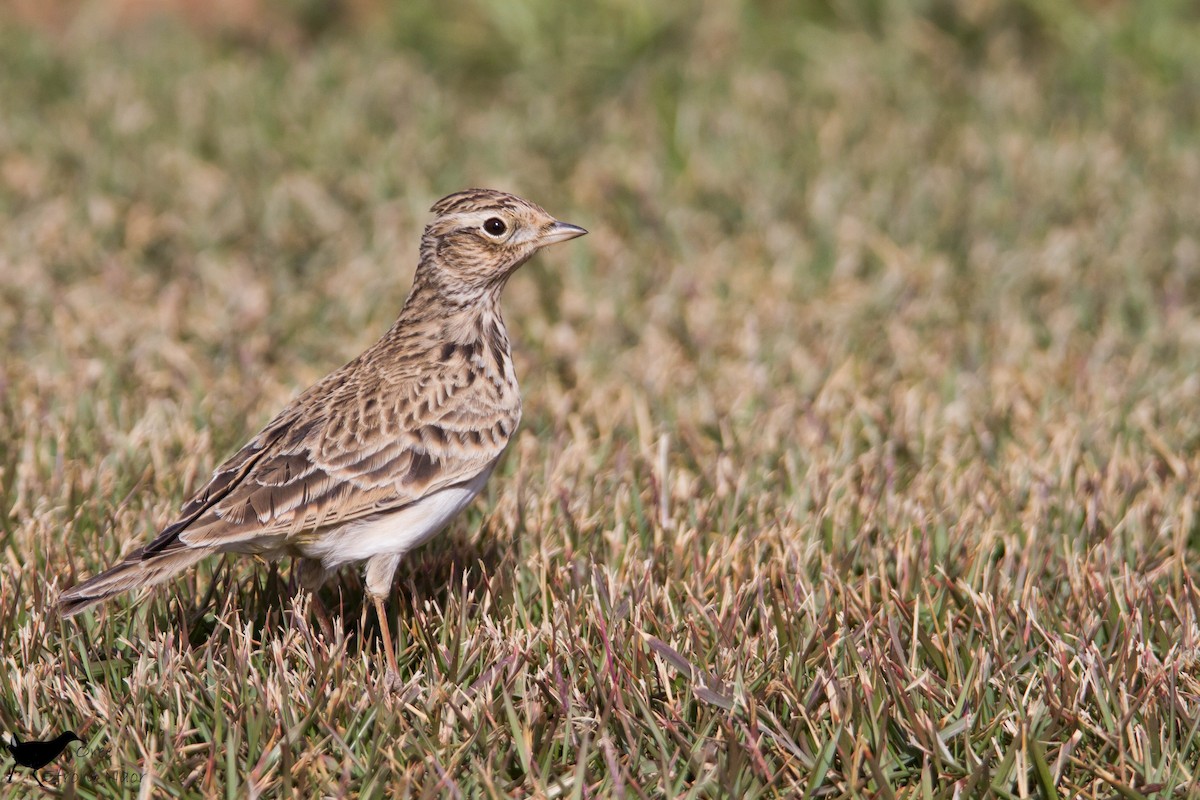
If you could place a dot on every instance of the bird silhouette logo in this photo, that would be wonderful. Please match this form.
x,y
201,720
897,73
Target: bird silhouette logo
x,y
35,755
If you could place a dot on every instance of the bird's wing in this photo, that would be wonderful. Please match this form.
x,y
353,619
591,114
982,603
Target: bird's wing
x,y
348,448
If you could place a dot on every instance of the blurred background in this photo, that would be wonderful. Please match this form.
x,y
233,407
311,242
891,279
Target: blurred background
x,y
885,300
776,189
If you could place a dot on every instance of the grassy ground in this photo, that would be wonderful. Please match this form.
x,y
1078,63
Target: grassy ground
x,y
861,439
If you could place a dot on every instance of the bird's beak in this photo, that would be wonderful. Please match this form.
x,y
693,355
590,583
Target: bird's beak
x,y
560,232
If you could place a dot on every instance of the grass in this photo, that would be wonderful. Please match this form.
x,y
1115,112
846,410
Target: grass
x,y
861,440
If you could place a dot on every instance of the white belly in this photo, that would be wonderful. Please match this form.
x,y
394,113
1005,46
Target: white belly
x,y
394,532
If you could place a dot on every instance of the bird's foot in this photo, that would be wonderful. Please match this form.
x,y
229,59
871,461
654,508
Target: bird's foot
x,y
392,681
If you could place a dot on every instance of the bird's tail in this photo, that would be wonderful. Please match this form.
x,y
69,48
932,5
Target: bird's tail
x,y
140,569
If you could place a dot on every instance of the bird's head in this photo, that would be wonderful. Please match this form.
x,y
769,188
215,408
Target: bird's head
x,y
479,237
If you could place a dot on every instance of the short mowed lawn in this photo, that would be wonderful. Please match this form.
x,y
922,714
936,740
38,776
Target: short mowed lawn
x,y
861,442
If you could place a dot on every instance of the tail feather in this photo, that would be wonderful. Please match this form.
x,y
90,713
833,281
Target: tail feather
x,y
139,570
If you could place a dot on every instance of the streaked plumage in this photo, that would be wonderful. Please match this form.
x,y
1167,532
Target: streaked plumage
x,y
378,456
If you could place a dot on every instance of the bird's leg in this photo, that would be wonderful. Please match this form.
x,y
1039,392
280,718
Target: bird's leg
x,y
388,649
310,574
393,676
38,778
378,574
11,770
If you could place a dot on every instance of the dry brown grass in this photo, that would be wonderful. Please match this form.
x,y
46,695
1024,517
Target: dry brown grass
x,y
860,450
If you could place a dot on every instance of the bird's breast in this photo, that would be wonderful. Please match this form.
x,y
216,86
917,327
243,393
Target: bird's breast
x,y
394,531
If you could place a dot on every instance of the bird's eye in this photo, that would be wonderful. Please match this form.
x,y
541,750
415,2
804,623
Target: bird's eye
x,y
495,226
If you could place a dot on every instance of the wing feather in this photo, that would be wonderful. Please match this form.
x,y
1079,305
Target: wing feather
x,y
347,449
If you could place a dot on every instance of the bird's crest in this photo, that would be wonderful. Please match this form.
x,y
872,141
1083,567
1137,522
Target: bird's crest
x,y
476,200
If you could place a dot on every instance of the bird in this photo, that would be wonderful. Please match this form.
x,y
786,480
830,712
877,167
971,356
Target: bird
x,y
35,755
377,457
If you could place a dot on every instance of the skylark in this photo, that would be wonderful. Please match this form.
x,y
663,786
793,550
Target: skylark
x,y
376,458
